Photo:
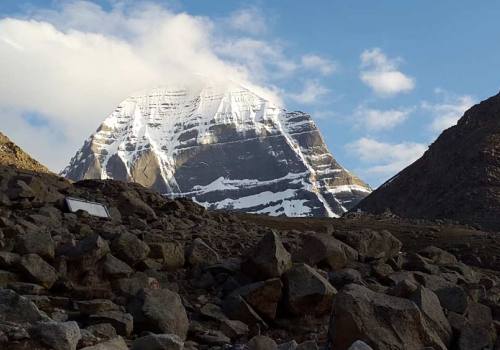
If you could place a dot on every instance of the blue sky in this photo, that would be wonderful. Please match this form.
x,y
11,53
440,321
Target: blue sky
x,y
382,79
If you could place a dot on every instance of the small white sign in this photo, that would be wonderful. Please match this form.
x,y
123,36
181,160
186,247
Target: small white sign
x,y
93,208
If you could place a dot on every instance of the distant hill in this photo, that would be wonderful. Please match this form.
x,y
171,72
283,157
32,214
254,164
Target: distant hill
x,y
13,155
457,178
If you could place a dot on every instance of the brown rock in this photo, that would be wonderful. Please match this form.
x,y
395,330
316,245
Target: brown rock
x,y
307,292
268,259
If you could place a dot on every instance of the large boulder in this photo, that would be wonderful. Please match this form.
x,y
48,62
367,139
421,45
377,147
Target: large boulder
x,y
268,259
38,270
453,298
263,296
382,321
87,252
307,292
159,310
18,309
325,249
372,244
130,248
57,335
438,255
36,242
429,304
115,268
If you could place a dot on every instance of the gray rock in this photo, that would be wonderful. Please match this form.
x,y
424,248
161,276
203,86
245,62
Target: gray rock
x,y
102,330
213,311
87,252
344,276
159,310
7,278
129,287
307,292
131,203
26,288
234,329
57,335
479,315
430,306
268,259
38,242
38,270
9,260
121,321
415,262
438,255
403,289
115,268
383,321
158,342
198,253
372,244
260,342
130,248
89,307
291,345
114,344
308,345
18,309
235,307
475,338
212,337
453,299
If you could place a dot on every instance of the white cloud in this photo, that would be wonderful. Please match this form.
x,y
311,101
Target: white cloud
x,y
315,62
377,120
73,66
382,74
249,20
263,59
385,159
447,112
311,92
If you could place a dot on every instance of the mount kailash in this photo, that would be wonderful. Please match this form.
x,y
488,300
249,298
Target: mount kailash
x,y
223,146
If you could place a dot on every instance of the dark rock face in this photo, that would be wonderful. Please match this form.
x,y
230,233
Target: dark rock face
x,y
458,177
222,146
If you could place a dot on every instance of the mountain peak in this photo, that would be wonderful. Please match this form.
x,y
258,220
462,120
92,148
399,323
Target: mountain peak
x,y
222,145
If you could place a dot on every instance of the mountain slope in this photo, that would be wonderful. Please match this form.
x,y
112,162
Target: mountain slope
x,y
223,146
457,178
12,155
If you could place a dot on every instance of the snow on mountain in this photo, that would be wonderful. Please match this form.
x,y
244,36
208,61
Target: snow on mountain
x,y
223,146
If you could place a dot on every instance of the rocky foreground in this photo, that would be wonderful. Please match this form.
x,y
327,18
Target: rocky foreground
x,y
167,274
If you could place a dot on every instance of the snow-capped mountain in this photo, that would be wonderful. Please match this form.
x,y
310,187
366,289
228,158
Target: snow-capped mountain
x,y
223,146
